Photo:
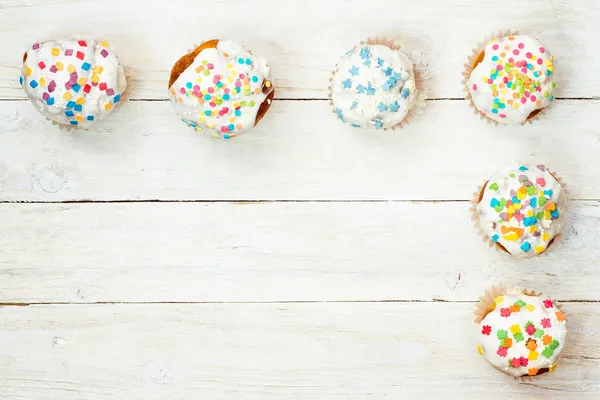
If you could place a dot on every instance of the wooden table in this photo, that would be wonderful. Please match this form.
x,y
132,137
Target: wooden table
x,y
305,260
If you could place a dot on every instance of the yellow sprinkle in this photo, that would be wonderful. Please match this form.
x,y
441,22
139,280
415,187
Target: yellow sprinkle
x,y
532,229
202,120
545,237
268,83
515,329
104,44
484,80
67,96
230,80
511,209
59,66
81,81
42,82
78,118
513,237
28,71
533,355
95,78
198,80
211,126
554,366
515,105
499,300
108,106
234,72
229,66
55,51
539,249
530,307
98,69
551,69
71,68
517,206
80,100
530,213
231,120
480,349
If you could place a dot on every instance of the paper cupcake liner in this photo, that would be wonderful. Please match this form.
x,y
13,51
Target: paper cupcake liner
x,y
557,241
474,59
484,306
421,77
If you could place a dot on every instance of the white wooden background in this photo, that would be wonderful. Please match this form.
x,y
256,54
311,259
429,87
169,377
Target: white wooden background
x,y
305,260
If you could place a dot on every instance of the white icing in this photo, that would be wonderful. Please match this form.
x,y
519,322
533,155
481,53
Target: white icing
x,y
495,84
194,91
545,342
58,74
374,86
535,233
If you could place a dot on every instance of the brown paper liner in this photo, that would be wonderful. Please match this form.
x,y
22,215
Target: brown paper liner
x,y
473,60
421,78
555,243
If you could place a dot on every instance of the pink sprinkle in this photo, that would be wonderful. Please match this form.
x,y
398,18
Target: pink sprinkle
x,y
226,91
104,53
41,65
523,100
474,86
546,323
68,52
527,94
221,113
502,115
548,303
210,66
533,98
499,67
110,92
521,46
242,76
216,80
182,90
511,60
223,129
516,52
45,96
226,109
530,330
539,61
501,351
196,88
505,79
238,83
36,46
51,86
213,104
211,90
541,182
53,68
495,47
542,50
490,81
528,55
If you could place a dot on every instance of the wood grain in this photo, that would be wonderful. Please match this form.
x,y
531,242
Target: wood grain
x,y
273,351
298,152
220,252
304,40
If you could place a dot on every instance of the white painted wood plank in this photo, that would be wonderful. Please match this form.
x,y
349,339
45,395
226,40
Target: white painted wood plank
x,y
273,351
219,252
305,39
300,151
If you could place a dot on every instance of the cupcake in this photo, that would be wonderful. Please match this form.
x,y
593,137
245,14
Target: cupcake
x,y
521,209
221,88
374,86
520,333
510,81
73,83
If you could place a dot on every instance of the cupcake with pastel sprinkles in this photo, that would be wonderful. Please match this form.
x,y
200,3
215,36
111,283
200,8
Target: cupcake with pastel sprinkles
x,y
521,333
221,89
521,209
73,83
510,80
375,86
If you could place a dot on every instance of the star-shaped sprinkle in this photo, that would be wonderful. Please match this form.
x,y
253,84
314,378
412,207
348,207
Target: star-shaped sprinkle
x,y
370,90
380,61
339,114
382,107
396,76
354,70
354,104
389,71
347,84
367,63
365,53
386,86
361,89
405,93
394,107
378,123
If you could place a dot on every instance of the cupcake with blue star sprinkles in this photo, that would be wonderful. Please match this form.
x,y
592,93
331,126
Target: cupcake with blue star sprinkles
x,y
74,82
221,89
521,209
375,86
510,79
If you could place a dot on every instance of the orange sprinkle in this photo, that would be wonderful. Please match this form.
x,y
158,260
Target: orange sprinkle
x,y
511,38
560,316
538,103
238,126
503,54
510,101
514,308
507,47
495,93
547,340
532,371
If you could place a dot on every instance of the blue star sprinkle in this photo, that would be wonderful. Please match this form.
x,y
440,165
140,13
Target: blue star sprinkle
x,y
355,125
389,71
340,114
354,104
394,107
396,76
390,83
386,86
365,53
405,93
354,70
361,89
347,84
382,107
370,90
378,123
380,61
367,63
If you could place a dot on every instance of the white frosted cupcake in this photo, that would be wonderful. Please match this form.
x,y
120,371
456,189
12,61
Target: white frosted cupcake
x,y
511,80
375,86
73,83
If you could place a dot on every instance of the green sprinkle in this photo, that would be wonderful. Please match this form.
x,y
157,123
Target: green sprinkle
x,y
538,333
547,352
519,337
494,186
502,334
